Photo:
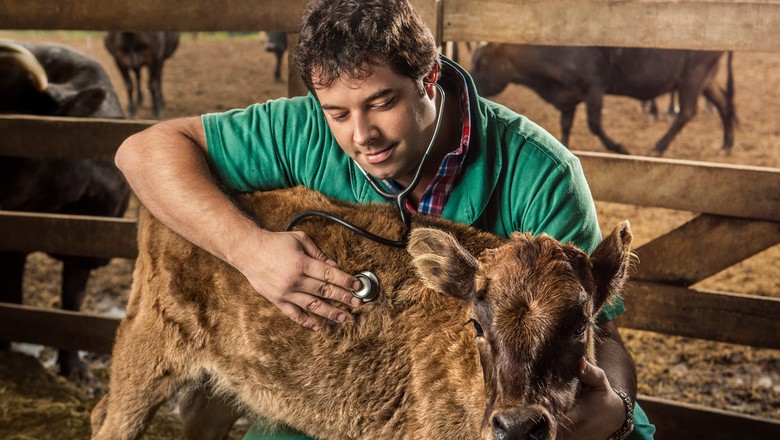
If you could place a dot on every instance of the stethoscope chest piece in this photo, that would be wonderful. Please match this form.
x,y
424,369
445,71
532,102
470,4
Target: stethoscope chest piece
x,y
370,286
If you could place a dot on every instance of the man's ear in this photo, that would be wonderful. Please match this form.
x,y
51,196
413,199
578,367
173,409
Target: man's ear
x,y
611,261
429,79
442,263
433,75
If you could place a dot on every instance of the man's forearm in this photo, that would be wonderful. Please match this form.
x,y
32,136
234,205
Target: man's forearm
x,y
613,358
166,167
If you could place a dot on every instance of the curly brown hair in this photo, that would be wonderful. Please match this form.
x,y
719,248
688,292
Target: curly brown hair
x,y
349,37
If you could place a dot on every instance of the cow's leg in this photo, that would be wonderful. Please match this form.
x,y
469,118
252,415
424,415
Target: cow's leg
x,y
278,68
138,90
650,106
129,87
155,87
11,274
567,120
143,377
715,95
687,98
594,104
205,415
673,107
75,273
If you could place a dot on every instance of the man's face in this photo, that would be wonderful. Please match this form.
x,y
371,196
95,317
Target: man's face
x,y
382,122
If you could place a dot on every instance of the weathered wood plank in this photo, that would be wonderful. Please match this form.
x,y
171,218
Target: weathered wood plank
x,y
702,24
103,237
152,15
676,420
729,25
57,328
732,190
717,316
743,191
64,138
703,247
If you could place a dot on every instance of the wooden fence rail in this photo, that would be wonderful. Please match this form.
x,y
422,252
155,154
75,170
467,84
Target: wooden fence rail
x,y
737,207
691,24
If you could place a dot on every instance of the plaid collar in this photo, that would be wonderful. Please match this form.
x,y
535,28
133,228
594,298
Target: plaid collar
x,y
439,189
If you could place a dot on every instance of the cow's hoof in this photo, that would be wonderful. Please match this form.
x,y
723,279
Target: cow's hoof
x,y
655,152
77,372
617,148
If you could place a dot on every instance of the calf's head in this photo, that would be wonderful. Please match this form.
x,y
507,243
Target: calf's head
x,y
533,305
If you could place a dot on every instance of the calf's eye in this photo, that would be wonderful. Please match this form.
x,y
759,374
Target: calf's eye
x,y
581,330
478,328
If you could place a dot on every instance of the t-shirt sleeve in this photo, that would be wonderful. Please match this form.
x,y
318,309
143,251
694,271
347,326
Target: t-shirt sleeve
x,y
265,146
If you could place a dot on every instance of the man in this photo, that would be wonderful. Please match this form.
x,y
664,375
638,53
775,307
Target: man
x,y
372,69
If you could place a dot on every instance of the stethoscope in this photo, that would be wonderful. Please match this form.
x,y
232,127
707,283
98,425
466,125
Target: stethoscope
x,y
369,281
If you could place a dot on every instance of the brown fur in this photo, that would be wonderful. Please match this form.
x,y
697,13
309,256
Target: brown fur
x,y
404,366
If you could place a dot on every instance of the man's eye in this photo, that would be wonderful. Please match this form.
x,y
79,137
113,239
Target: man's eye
x,y
384,105
338,116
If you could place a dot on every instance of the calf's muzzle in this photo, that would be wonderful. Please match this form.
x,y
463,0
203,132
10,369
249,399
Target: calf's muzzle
x,y
523,424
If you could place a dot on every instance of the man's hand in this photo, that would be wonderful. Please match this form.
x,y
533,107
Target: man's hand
x,y
598,412
295,275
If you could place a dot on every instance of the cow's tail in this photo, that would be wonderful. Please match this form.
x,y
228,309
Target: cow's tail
x,y
730,107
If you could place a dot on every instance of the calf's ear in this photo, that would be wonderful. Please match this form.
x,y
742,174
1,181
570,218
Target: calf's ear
x,y
441,263
611,262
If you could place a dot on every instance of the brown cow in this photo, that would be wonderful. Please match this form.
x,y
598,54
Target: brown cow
x,y
484,342
565,76
134,50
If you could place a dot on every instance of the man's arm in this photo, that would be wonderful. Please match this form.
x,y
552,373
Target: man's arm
x,y
614,359
167,168
599,411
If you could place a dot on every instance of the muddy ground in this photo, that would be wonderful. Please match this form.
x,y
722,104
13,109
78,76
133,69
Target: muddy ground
x,y
218,72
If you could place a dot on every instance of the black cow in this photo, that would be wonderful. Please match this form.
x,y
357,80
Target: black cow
x,y
53,80
133,51
277,44
565,76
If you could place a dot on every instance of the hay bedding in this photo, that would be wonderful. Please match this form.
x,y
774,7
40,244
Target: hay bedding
x,y
35,403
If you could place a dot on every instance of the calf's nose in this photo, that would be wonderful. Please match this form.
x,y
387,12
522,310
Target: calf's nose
x,y
517,425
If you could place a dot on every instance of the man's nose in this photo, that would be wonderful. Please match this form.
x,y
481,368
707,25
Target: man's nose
x,y
364,131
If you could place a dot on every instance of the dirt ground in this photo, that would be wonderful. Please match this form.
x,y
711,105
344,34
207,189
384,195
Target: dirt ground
x,y
215,72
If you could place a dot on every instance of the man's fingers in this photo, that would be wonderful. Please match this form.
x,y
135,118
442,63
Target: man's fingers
x,y
324,290
312,305
299,316
324,268
329,274
593,376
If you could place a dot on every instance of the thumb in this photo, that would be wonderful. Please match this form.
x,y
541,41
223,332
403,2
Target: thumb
x,y
593,376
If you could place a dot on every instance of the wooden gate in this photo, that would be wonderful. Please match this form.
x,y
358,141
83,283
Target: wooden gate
x,y
737,207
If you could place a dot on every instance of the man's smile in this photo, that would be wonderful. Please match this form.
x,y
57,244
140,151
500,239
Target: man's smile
x,y
380,156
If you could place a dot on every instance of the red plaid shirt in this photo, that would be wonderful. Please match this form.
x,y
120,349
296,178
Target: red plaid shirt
x,y
440,188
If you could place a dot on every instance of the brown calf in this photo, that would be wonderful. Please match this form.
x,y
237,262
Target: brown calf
x,y
483,343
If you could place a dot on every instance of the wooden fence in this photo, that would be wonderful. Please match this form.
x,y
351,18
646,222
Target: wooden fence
x,y
737,207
